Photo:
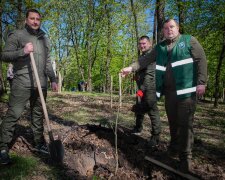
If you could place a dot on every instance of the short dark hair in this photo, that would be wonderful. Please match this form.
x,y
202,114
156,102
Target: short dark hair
x,y
32,10
144,37
168,20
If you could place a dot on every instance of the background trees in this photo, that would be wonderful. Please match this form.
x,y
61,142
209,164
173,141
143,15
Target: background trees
x,y
92,40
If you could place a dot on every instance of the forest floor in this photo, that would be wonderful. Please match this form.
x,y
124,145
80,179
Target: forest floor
x,y
85,122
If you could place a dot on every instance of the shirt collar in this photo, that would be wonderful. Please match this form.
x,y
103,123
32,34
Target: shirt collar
x,y
169,41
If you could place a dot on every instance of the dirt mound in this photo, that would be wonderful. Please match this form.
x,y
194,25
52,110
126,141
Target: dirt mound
x,y
90,151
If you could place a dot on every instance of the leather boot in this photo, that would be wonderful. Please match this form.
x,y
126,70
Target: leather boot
x,y
154,141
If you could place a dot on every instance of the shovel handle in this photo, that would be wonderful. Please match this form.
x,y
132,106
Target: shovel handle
x,y
40,90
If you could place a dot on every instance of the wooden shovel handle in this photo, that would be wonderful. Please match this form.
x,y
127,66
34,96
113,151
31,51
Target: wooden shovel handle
x,y
40,90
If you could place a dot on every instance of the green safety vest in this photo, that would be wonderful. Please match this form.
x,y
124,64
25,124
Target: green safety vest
x,y
183,67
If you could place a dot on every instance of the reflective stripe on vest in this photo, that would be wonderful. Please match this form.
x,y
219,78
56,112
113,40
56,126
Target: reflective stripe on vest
x,y
185,91
158,94
160,68
182,62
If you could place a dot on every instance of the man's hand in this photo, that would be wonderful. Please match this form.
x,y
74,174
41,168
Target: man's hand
x,y
28,48
200,90
54,87
125,71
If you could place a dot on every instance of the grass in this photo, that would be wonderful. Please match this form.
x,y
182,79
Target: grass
x,y
4,98
28,167
20,168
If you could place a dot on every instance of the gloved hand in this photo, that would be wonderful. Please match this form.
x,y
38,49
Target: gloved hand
x,y
200,90
140,93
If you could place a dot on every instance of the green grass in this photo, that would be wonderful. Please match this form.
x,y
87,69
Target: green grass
x,y
19,169
89,94
81,117
4,98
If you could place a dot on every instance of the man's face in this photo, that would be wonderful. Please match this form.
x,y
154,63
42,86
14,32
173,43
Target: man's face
x,y
144,45
170,30
33,20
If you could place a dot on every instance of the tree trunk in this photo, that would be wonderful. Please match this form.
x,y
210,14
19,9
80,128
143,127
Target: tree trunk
x,y
181,15
160,6
74,39
108,53
1,74
218,71
89,44
59,82
89,81
20,19
135,24
155,29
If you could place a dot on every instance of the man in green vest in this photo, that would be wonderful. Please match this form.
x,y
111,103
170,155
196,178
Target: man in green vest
x,y
19,45
181,75
146,96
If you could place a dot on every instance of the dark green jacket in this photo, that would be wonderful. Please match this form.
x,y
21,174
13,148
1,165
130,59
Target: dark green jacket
x,y
182,64
145,78
13,52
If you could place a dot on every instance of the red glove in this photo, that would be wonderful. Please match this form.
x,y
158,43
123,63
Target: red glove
x,y
140,93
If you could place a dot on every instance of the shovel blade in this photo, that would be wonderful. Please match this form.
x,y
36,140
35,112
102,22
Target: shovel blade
x,y
56,150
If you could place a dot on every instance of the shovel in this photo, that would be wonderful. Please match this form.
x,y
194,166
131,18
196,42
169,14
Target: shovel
x,y
56,148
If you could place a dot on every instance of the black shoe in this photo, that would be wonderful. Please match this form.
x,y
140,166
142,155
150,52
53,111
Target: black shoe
x,y
43,148
154,141
5,159
136,131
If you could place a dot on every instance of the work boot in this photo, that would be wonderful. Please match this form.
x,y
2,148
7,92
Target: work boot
x,y
185,165
136,131
43,148
154,141
4,156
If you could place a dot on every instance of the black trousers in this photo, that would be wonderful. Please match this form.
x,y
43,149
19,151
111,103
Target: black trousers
x,y
180,113
153,113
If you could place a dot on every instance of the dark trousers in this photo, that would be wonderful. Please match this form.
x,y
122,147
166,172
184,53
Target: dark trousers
x,y
153,114
17,101
180,113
